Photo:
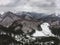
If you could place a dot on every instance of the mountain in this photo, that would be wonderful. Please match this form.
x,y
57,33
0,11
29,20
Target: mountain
x,y
11,15
8,18
51,17
31,15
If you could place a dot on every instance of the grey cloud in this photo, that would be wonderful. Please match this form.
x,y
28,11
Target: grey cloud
x,y
30,5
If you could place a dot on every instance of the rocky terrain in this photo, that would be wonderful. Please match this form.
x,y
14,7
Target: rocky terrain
x,y
29,19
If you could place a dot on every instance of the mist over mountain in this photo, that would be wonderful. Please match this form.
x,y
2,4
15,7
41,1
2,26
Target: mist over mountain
x,y
51,17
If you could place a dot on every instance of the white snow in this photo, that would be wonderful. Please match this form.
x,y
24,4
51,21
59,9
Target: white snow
x,y
1,13
38,33
45,30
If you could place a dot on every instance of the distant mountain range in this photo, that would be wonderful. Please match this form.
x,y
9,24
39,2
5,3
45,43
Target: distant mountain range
x,y
8,17
51,17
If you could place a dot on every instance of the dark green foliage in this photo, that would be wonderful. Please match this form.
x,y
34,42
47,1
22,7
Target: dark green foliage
x,y
7,38
55,30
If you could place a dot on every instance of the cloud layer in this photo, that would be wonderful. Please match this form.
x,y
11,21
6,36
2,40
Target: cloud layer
x,y
40,6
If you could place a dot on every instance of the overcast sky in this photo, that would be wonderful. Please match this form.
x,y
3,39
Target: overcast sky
x,y
40,6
